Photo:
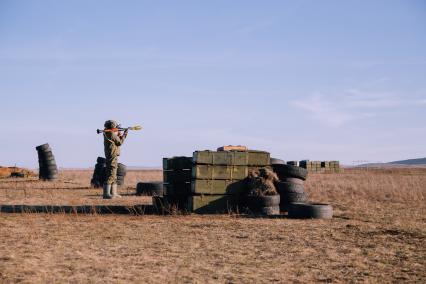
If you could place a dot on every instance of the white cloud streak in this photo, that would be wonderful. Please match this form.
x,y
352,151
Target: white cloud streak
x,y
352,104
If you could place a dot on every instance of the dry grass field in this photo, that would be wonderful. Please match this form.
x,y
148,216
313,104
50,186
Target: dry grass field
x,y
378,235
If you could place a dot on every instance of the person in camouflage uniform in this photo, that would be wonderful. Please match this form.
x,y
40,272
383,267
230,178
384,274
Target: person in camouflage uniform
x,y
112,142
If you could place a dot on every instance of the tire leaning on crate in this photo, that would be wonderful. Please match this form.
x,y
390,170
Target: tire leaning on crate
x,y
310,210
150,188
288,171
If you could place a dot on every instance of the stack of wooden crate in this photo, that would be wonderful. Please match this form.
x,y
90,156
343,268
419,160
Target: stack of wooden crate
x,y
210,181
311,166
306,164
334,166
325,167
320,167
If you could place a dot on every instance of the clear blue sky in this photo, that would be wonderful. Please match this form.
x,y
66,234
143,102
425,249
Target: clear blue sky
x,y
317,80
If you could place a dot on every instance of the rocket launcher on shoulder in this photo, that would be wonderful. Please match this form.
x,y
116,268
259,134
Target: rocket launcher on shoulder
x,y
136,127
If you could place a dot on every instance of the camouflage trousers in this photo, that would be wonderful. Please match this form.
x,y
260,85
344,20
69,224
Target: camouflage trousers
x,y
111,170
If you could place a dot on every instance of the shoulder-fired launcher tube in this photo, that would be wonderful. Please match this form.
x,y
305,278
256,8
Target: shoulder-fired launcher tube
x,y
136,127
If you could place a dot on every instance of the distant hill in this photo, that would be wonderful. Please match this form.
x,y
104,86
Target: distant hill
x,y
421,161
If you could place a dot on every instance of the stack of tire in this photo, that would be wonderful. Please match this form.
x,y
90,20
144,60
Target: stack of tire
x,y
150,188
291,185
98,177
48,170
121,174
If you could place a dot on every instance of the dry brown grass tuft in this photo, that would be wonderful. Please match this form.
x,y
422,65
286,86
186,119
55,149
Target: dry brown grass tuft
x,y
378,235
5,172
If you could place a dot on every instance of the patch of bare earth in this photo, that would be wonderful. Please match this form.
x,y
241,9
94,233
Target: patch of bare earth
x,y
378,235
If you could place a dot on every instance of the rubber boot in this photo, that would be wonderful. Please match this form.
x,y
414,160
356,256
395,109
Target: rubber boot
x,y
114,191
107,191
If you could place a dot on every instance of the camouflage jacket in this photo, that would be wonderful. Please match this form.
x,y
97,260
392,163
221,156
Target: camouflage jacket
x,y
112,143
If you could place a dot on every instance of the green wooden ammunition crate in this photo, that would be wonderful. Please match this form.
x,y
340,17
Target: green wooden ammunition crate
x,y
221,172
177,163
304,163
325,164
211,204
177,176
292,163
335,163
235,158
258,158
206,186
183,188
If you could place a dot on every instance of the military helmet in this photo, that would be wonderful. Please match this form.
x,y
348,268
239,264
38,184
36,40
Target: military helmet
x,y
109,124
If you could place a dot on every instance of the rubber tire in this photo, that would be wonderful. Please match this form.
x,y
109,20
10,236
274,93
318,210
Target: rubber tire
x,y
293,197
49,168
46,161
49,176
273,210
42,152
120,180
121,168
288,171
99,167
46,156
50,165
275,161
43,147
310,210
294,180
45,173
150,188
257,202
121,174
101,160
289,187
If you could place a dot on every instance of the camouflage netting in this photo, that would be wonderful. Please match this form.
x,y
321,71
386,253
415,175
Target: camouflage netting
x,y
261,182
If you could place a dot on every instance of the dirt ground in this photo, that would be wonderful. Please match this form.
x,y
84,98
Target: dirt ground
x,y
378,235
72,188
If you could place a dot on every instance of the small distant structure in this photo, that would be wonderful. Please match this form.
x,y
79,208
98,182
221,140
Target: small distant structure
x,y
321,166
